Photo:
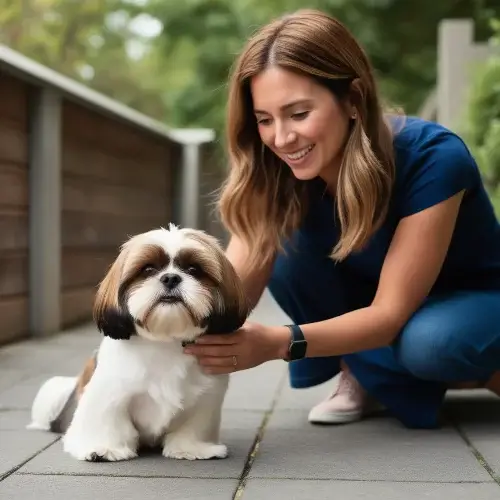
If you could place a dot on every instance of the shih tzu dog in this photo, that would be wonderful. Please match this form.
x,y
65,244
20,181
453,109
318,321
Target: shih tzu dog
x,y
166,288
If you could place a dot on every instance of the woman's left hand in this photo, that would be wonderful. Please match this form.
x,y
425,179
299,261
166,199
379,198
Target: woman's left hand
x,y
250,346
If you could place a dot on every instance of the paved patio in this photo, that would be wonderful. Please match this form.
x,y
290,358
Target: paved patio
x,y
275,453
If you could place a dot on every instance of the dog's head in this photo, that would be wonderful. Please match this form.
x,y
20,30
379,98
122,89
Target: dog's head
x,y
170,284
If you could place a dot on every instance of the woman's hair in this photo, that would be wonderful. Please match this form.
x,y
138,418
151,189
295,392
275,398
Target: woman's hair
x,y
261,202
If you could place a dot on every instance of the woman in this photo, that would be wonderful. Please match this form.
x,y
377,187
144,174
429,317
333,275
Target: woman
x,y
373,233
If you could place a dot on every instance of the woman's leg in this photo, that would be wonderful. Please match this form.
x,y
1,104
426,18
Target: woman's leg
x,y
309,287
454,338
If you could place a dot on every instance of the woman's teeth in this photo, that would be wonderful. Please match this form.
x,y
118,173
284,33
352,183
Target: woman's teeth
x,y
300,154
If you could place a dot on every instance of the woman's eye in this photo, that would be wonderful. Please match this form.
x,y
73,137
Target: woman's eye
x,y
300,116
263,121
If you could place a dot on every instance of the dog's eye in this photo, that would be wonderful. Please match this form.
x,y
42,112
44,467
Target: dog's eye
x,y
148,269
194,270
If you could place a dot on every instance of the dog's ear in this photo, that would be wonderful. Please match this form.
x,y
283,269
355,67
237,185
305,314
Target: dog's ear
x,y
110,311
231,307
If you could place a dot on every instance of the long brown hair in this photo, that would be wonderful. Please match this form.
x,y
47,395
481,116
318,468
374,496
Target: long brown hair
x,y
261,201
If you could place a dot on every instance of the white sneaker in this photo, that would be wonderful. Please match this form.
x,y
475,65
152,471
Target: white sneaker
x,y
347,403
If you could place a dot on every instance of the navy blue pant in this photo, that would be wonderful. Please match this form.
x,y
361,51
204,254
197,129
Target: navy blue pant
x,y
453,337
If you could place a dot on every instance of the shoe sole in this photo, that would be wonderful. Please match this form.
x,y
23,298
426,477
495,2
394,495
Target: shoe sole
x,y
338,418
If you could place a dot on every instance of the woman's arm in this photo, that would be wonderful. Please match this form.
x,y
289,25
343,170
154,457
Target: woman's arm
x,y
411,268
253,281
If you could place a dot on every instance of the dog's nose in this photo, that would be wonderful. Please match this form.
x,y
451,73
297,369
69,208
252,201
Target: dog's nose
x,y
171,280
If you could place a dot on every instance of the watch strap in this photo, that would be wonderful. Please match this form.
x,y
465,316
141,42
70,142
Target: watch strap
x,y
298,344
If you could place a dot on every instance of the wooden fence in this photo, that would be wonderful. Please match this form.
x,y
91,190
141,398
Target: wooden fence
x,y
79,173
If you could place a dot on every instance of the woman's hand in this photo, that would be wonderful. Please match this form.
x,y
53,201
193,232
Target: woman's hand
x,y
250,346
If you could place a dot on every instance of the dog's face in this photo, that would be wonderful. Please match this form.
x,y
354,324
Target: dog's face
x,y
170,284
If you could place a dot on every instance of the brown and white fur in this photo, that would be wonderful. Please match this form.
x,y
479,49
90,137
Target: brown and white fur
x,y
166,287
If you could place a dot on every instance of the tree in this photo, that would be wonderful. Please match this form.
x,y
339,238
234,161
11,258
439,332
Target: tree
x,y
88,41
399,36
178,73
481,126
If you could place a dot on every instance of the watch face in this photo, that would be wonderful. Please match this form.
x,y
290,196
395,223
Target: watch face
x,y
298,349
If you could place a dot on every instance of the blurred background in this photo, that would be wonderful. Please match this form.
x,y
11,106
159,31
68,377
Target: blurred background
x,y
112,119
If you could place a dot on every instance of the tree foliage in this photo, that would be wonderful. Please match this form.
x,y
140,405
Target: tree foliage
x,y
399,36
176,70
91,42
481,126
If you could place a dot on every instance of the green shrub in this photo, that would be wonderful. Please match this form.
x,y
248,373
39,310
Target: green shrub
x,y
481,127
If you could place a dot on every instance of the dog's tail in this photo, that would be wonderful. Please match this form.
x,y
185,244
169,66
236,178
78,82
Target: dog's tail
x,y
54,404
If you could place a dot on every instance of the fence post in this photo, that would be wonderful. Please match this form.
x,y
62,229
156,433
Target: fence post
x,y
45,212
458,51
188,182
455,37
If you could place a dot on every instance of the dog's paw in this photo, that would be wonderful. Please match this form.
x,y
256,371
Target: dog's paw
x,y
87,451
194,451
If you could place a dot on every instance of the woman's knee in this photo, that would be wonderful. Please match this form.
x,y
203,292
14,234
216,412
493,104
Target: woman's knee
x,y
452,338
433,348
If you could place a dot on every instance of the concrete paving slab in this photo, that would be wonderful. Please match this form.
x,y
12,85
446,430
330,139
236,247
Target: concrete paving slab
x,y
17,447
22,487
14,420
265,489
33,356
11,376
376,449
375,458
238,432
79,337
255,389
477,414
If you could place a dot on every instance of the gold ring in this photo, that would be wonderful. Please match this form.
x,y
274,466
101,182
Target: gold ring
x,y
235,360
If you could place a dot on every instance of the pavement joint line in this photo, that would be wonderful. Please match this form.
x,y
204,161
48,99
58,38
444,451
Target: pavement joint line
x,y
358,480
252,454
24,462
265,478
123,476
477,454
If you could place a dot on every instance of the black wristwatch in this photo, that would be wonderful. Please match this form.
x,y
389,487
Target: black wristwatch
x,y
298,344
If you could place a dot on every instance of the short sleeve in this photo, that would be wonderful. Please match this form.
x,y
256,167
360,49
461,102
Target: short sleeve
x,y
437,168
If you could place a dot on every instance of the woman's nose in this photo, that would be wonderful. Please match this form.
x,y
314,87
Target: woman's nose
x,y
283,137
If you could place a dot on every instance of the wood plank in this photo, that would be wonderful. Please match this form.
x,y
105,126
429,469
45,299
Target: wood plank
x,y
14,94
76,306
14,188
14,231
14,273
13,143
102,165
87,196
87,230
84,268
14,314
104,133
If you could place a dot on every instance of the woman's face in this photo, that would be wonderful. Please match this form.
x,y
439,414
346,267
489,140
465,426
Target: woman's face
x,y
301,122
